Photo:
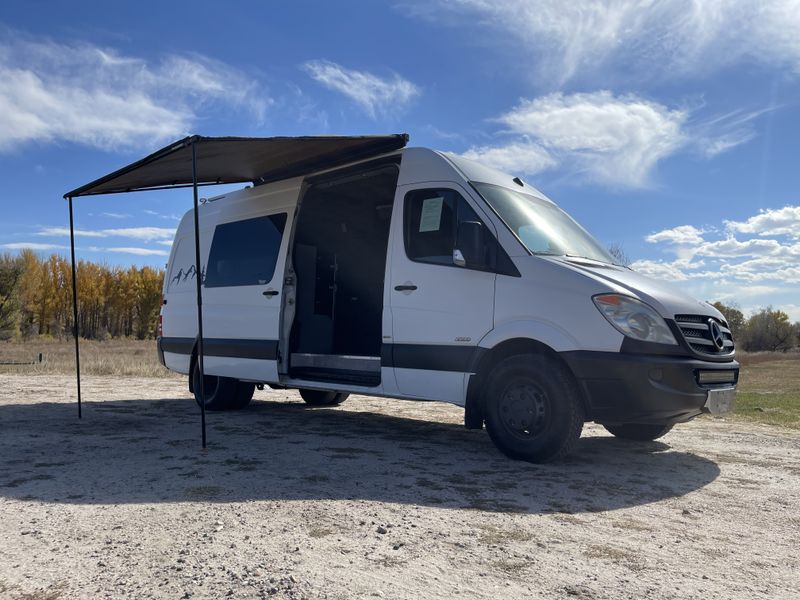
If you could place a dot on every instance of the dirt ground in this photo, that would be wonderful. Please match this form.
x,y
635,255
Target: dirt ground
x,y
376,498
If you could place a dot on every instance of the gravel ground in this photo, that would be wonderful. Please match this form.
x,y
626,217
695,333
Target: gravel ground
x,y
376,498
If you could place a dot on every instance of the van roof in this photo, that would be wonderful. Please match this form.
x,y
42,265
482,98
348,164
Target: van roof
x,y
479,172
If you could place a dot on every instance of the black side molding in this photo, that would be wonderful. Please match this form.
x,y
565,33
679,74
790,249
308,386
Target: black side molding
x,y
232,348
432,357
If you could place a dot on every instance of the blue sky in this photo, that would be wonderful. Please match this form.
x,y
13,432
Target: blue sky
x,y
671,128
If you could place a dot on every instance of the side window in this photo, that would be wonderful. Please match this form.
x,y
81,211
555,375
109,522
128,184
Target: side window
x,y
431,219
245,252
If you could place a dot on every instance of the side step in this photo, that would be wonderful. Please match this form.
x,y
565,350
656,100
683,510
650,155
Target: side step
x,y
336,368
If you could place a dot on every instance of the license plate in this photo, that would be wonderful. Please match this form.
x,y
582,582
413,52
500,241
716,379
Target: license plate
x,y
720,401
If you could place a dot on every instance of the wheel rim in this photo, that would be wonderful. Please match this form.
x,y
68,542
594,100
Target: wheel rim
x,y
524,410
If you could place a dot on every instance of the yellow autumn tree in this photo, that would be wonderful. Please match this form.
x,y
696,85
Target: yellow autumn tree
x,y
112,301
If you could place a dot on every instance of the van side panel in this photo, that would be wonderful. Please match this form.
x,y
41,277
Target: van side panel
x,y
179,314
241,320
439,310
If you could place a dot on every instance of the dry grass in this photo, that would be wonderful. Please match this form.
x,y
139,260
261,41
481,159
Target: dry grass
x,y
769,389
747,359
115,357
768,392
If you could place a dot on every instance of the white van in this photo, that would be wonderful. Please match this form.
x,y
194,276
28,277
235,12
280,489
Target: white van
x,y
425,276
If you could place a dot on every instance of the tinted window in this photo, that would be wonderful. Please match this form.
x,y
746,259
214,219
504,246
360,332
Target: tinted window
x,y
245,252
431,224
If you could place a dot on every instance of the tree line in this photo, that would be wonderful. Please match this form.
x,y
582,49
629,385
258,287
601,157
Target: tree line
x,y
765,330
36,298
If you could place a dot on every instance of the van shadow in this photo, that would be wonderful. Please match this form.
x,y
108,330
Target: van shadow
x,y
149,451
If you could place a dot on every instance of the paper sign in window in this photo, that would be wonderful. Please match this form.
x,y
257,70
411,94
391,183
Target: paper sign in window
x,y
431,216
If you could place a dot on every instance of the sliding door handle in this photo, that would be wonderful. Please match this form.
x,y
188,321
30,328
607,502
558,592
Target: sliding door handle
x,y
270,293
405,287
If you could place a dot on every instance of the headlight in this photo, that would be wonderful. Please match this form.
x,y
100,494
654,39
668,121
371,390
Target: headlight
x,y
634,318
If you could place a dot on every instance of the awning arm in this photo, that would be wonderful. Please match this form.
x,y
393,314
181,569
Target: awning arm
x,y
199,286
75,330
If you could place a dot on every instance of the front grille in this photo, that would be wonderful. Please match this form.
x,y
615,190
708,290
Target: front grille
x,y
696,330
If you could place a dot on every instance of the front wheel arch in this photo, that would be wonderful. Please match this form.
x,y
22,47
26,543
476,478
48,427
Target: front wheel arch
x,y
474,414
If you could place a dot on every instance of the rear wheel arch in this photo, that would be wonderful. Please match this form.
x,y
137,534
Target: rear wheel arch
x,y
221,393
487,360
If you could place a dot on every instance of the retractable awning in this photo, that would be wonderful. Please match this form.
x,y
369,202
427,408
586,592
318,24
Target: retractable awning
x,y
196,161
238,160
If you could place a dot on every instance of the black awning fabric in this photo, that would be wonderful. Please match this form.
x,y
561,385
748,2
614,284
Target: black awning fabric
x,y
239,160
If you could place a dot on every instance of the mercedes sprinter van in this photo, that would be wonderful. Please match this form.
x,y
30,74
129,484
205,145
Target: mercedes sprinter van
x,y
422,275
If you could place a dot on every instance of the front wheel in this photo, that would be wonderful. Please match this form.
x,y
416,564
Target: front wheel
x,y
638,432
322,398
532,409
221,393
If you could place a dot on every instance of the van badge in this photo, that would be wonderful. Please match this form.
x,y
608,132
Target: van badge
x,y
463,339
716,334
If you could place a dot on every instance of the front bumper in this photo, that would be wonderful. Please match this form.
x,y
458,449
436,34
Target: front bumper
x,y
632,388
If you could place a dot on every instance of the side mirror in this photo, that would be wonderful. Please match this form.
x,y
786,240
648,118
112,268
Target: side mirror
x,y
470,250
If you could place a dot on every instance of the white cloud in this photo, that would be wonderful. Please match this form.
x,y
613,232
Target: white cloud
x,y
375,95
731,247
145,234
612,139
711,147
161,215
31,246
523,157
97,97
137,251
645,39
775,221
742,264
683,234
64,231
749,292
793,310
616,140
112,215
669,271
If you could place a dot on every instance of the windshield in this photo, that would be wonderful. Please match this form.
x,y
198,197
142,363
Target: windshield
x,y
540,225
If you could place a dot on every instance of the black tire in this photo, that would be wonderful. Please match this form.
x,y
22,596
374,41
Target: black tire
x,y
638,432
321,398
532,408
222,393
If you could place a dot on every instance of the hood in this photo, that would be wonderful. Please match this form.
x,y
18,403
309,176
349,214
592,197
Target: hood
x,y
667,299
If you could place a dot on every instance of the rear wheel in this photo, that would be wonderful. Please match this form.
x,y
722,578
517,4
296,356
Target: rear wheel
x,y
222,393
322,398
638,432
532,408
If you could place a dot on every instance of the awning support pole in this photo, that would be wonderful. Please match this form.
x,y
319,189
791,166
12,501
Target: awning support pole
x,y
75,330
199,286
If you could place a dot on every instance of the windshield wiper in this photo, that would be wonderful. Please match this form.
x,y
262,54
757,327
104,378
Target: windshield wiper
x,y
604,262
